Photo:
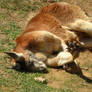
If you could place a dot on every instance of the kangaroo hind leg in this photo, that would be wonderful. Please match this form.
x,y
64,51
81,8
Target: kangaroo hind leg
x,y
82,26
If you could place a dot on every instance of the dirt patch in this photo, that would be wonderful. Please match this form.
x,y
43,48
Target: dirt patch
x,y
58,78
2,36
23,22
2,54
85,58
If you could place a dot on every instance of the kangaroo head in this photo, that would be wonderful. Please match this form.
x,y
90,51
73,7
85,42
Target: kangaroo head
x,y
31,63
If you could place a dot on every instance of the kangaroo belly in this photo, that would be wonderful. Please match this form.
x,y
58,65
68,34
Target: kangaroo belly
x,y
44,41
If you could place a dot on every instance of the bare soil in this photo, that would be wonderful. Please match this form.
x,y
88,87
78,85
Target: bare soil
x,y
2,36
58,77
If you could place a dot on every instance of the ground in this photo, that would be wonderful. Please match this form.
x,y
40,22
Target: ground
x,y
13,18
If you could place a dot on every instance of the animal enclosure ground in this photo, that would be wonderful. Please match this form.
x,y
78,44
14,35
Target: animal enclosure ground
x,y
13,18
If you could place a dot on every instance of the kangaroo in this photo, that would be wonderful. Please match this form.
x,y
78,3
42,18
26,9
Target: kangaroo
x,y
46,35
49,32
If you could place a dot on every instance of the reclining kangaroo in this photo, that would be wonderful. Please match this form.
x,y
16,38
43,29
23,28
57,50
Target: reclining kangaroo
x,y
48,32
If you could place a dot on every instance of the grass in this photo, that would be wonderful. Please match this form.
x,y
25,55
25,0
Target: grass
x,y
12,12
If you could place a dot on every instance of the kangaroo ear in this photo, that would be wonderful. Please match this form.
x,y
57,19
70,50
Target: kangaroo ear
x,y
14,55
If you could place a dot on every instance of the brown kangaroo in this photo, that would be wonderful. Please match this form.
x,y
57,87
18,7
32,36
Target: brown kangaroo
x,y
48,32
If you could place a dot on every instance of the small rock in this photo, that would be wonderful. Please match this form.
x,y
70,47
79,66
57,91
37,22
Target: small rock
x,y
41,79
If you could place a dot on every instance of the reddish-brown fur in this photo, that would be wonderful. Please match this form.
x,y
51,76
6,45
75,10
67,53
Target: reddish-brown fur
x,y
65,13
48,32
39,23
